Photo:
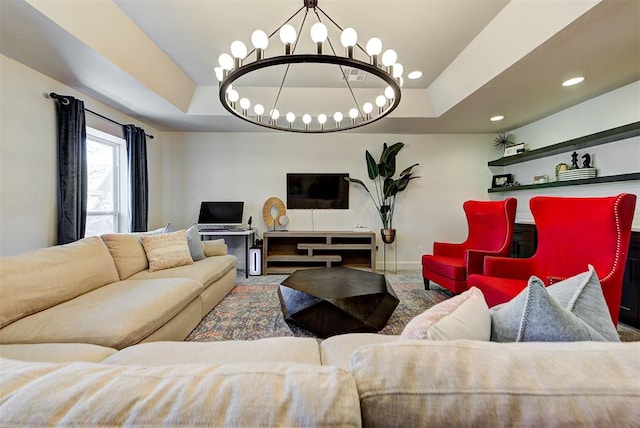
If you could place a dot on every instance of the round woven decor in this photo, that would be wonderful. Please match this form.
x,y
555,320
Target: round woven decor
x,y
266,211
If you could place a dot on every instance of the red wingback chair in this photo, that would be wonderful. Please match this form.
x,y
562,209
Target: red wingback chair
x,y
572,233
490,225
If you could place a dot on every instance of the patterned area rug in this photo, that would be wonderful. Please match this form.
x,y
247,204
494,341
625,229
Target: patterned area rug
x,y
252,310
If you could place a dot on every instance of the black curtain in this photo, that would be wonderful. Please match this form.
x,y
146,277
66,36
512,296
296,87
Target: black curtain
x,y
137,160
72,169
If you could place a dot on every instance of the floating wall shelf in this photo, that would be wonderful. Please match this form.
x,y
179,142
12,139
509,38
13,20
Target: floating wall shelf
x,y
604,137
608,136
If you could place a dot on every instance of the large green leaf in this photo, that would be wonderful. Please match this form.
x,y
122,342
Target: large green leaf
x,y
408,170
390,152
372,167
387,166
403,182
390,187
356,181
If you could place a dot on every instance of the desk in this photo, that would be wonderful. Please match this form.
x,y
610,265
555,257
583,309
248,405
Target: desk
x,y
247,233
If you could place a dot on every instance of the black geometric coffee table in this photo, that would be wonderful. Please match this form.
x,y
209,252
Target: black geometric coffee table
x,y
331,301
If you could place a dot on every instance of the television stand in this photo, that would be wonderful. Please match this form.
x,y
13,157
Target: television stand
x,y
284,252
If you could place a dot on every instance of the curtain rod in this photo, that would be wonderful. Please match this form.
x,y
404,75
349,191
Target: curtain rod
x,y
56,96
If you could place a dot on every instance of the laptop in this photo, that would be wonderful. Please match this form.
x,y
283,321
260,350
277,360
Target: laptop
x,y
220,216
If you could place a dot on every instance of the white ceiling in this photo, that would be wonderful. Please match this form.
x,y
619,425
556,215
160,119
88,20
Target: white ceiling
x,y
154,60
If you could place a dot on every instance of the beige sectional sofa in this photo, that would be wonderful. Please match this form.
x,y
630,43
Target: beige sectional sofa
x,y
99,290
89,336
347,381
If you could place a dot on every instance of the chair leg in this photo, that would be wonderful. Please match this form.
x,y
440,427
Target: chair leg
x,y
426,283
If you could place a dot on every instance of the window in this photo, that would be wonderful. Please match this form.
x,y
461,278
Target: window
x,y
107,184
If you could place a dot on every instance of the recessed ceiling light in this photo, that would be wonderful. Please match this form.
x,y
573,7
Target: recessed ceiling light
x,y
573,81
415,75
496,118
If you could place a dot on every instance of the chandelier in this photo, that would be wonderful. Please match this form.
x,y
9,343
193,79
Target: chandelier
x,y
316,91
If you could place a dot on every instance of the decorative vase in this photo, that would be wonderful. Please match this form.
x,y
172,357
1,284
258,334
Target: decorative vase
x,y
388,235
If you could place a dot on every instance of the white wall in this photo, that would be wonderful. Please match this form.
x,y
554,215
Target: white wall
x,y
613,109
252,167
28,213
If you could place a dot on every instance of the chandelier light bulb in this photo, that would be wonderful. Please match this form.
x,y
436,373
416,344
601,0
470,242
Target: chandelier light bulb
x,y
381,100
388,92
337,116
259,39
219,73
389,57
319,32
233,95
238,49
306,118
288,34
398,69
275,114
367,108
353,113
258,109
349,37
374,46
245,103
322,119
225,61
291,117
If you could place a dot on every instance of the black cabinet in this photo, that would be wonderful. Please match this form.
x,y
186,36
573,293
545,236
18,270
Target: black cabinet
x,y
525,240
630,303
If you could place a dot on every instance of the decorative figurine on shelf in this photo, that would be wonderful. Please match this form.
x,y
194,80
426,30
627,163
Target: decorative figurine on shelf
x,y
587,160
574,161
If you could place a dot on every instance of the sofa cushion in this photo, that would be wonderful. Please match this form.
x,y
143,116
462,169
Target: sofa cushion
x,y
167,250
465,316
56,352
214,247
534,315
184,395
337,350
270,350
205,271
195,243
487,384
127,252
116,315
37,280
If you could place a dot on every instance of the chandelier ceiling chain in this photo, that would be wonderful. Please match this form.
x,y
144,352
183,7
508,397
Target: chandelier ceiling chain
x,y
237,100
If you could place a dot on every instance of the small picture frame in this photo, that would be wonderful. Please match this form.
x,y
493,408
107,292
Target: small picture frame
x,y
540,179
501,180
515,149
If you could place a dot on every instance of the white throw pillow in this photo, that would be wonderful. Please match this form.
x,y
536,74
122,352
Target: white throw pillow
x,y
465,316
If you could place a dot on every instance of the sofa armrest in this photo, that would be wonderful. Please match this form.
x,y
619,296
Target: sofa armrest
x,y
447,249
508,267
215,247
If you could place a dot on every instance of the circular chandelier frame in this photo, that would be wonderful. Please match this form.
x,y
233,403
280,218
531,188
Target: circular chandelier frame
x,y
228,77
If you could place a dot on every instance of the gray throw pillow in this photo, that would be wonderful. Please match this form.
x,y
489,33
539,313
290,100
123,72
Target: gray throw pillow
x,y
195,244
582,295
535,316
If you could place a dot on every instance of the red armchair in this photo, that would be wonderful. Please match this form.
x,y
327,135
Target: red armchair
x,y
572,233
490,225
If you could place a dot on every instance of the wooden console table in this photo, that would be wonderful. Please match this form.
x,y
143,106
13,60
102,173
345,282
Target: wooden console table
x,y
288,251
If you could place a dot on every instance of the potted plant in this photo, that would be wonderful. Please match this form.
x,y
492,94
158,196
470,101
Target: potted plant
x,y
386,186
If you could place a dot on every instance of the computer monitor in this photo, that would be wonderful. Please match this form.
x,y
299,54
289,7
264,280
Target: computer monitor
x,y
220,214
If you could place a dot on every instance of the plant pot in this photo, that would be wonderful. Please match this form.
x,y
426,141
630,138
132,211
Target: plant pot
x,y
388,235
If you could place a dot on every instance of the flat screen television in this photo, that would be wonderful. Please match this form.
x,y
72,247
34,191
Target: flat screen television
x,y
317,191
220,214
